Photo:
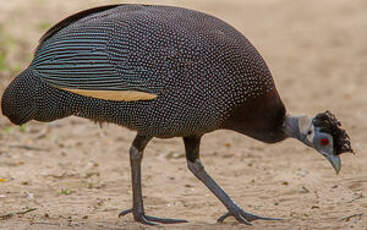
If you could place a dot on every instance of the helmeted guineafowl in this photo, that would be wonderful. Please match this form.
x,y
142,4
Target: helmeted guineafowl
x,y
164,72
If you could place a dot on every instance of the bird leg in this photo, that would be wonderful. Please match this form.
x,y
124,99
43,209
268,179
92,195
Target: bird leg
x,y
136,156
192,155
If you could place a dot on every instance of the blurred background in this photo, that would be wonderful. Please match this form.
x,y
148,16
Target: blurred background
x,y
71,172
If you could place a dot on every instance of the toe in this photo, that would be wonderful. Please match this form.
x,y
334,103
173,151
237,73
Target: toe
x,y
223,217
251,217
244,217
150,220
165,220
124,212
144,220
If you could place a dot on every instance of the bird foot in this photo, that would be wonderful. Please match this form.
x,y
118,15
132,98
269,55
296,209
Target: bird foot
x,y
150,220
244,217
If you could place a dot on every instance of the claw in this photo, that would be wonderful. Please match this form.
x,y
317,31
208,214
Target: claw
x,y
244,217
149,220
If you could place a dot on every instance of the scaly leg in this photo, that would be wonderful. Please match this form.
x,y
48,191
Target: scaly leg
x,y
192,145
136,156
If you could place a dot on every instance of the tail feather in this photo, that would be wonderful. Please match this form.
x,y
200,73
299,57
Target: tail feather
x,y
19,99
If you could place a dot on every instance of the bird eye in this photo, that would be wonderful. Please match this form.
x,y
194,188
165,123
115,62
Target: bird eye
x,y
324,141
309,132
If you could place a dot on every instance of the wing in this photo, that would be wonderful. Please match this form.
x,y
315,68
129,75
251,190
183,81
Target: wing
x,y
71,19
72,56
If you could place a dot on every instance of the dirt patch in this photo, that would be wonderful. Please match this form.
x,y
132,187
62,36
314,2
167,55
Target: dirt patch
x,y
76,175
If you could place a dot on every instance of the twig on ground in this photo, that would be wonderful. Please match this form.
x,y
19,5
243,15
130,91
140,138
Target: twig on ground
x,y
46,223
346,219
26,147
10,215
6,216
26,211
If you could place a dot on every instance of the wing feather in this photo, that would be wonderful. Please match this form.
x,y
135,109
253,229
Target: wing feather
x,y
74,58
71,19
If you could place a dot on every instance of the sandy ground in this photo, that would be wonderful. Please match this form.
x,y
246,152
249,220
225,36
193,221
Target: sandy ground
x,y
77,176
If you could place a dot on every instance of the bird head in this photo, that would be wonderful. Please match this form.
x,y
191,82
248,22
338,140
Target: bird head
x,y
323,133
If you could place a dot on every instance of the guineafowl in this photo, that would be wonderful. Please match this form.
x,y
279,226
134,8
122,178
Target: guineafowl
x,y
164,72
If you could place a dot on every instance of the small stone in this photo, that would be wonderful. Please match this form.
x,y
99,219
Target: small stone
x,y
304,190
29,195
227,145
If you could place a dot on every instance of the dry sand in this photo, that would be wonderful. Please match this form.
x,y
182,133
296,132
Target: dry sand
x,y
77,175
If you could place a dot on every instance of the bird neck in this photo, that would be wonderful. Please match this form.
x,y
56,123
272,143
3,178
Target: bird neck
x,y
291,126
260,118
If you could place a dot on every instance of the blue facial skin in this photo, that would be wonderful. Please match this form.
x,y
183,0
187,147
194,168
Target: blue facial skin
x,y
326,148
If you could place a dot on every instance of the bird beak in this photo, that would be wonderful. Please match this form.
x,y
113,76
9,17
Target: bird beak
x,y
334,161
